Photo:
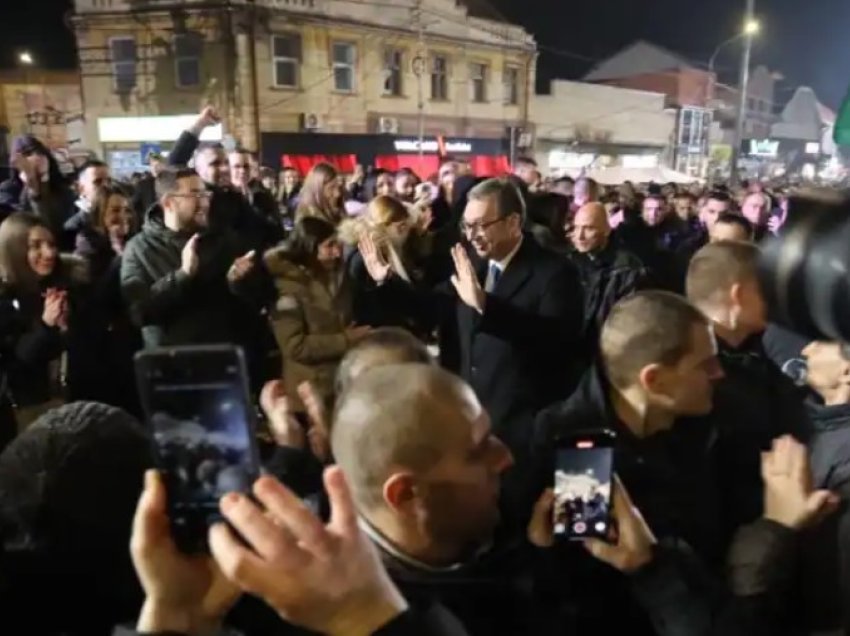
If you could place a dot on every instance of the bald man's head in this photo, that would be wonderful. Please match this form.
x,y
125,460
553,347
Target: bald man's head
x,y
591,228
385,345
416,447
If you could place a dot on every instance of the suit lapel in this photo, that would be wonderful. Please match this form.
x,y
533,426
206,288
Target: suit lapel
x,y
517,272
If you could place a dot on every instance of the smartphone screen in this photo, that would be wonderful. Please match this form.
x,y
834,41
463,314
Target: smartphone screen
x,y
584,470
199,411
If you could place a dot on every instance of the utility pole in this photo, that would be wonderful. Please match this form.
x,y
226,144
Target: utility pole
x,y
420,69
743,86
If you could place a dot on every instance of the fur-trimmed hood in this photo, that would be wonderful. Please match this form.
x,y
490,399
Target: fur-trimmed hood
x,y
279,265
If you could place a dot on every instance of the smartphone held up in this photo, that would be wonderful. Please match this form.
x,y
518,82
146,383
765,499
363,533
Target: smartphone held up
x,y
584,474
199,409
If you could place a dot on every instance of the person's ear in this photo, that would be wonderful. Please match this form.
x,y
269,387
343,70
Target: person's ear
x,y
649,377
736,295
399,491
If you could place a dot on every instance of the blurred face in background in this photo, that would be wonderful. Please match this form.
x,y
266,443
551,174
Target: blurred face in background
x,y
290,179
211,165
654,211
334,192
157,166
329,253
41,251
590,229
405,187
240,169
584,191
448,175
91,179
711,211
527,172
118,217
685,208
756,209
384,185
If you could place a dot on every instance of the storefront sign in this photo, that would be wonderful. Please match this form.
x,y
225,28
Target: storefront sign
x,y
639,161
138,129
432,146
763,148
560,160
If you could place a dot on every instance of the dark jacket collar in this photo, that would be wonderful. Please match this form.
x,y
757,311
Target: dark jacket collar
x,y
827,418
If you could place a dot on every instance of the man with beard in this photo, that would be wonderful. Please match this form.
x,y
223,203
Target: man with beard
x,y
178,278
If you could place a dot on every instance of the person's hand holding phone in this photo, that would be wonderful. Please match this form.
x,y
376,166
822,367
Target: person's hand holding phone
x,y
326,578
186,594
631,544
540,531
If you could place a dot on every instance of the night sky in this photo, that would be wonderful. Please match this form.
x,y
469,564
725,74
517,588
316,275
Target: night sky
x,y
806,41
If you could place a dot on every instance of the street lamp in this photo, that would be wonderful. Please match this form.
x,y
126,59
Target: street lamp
x,y
751,28
25,58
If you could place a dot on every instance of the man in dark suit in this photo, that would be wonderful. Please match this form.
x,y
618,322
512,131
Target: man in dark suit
x,y
517,309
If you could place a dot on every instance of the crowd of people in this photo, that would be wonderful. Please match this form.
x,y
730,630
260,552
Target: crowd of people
x,y
418,348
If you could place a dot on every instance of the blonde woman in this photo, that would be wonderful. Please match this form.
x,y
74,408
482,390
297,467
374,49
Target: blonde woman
x,y
322,195
389,225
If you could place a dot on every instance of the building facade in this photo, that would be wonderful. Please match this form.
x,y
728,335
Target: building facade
x,y
580,125
46,104
299,79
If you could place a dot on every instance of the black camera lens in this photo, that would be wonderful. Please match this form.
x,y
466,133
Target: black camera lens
x,y
805,273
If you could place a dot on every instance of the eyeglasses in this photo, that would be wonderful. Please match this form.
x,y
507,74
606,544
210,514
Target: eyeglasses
x,y
471,229
194,195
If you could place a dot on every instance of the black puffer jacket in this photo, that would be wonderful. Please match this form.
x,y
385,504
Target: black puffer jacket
x,y
173,308
606,277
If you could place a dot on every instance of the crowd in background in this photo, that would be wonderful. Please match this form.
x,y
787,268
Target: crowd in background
x,y
431,339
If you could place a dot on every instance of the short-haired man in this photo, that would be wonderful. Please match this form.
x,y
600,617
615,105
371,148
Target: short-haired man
x,y
526,169
756,208
755,402
656,372
517,309
229,209
585,190
425,468
145,195
266,221
178,278
607,273
731,227
563,186
92,175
